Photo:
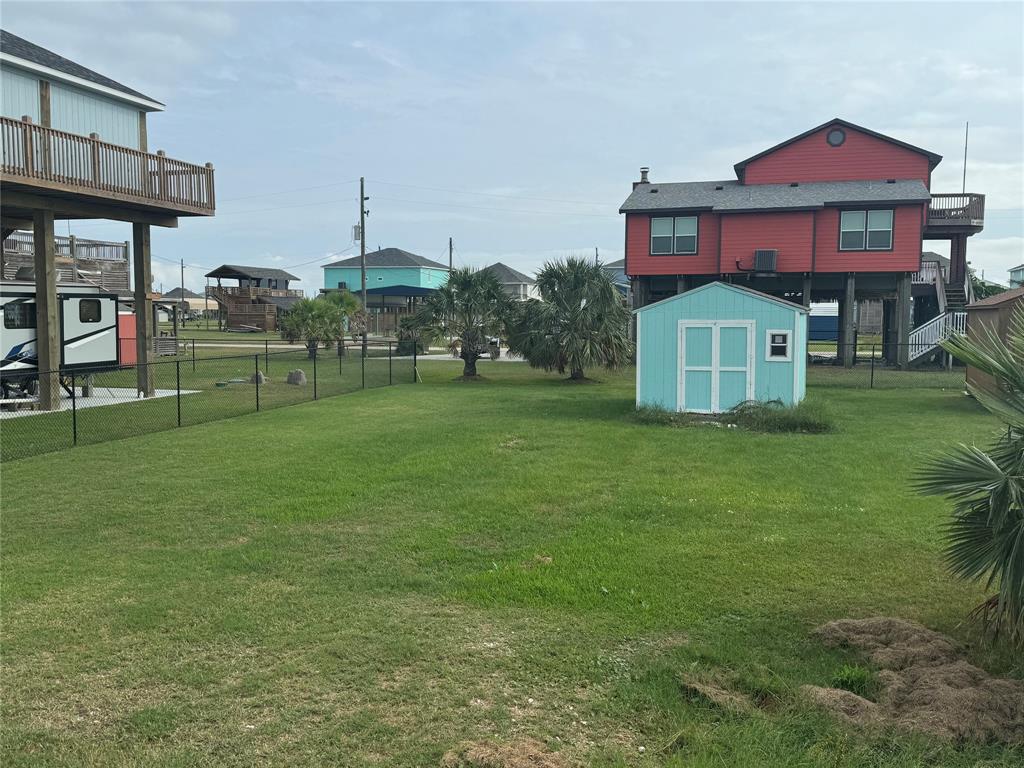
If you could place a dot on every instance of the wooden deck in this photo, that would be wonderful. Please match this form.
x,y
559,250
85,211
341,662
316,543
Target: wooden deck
x,y
955,213
47,160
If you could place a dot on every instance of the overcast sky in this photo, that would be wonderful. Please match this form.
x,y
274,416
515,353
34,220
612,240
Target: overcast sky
x,y
518,128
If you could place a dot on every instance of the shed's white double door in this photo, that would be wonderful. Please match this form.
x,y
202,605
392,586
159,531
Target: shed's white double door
x,y
716,364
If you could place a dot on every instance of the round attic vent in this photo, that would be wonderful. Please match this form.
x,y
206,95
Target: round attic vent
x,y
836,137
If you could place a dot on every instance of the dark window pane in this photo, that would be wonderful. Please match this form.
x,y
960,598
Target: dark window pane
x,y
661,245
89,310
852,241
21,314
880,239
686,244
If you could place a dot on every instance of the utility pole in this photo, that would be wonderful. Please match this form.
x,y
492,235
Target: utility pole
x,y
206,304
362,257
181,302
449,256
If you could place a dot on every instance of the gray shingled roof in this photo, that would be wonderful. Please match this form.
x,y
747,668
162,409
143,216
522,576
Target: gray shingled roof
x,y
236,271
23,49
733,196
508,276
176,293
390,257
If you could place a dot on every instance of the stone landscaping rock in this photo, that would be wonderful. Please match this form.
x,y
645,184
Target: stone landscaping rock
x,y
297,377
258,378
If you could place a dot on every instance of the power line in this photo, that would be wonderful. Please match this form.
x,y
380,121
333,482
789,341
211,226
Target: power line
x,y
287,191
499,210
486,194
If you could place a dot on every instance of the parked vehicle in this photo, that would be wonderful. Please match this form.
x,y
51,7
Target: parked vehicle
x,y
88,332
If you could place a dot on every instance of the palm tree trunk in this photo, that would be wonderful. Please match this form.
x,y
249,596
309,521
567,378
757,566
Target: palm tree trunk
x,y
469,367
577,374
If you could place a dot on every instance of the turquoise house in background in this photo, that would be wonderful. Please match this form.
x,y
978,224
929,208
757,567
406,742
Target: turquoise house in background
x,y
712,348
386,268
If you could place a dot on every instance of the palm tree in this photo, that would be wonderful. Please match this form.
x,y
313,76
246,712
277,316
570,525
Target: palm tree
x,y
314,321
580,322
470,307
352,316
985,539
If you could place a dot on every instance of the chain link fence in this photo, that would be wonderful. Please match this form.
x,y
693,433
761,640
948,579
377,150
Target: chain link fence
x,y
875,366
191,388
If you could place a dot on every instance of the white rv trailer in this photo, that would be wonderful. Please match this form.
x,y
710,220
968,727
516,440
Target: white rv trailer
x,y
88,331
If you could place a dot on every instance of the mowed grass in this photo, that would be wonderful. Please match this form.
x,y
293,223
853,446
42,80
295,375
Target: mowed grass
x,y
371,579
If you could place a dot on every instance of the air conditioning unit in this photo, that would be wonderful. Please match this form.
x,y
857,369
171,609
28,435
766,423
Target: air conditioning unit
x,y
765,260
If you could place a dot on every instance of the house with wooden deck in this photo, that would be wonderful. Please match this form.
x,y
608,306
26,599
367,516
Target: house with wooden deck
x,y
837,213
75,144
262,295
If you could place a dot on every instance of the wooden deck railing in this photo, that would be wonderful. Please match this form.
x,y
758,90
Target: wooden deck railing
x,y
70,247
54,159
248,292
930,272
957,209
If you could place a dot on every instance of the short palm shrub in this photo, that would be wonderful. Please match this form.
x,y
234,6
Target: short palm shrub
x,y
985,538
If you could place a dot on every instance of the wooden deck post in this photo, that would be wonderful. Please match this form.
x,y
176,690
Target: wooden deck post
x,y
806,291
848,330
142,266
47,323
903,320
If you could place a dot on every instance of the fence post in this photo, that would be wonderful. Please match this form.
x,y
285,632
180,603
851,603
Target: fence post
x,y
390,382
177,387
193,355
74,413
314,376
363,371
415,349
872,384
256,378
266,355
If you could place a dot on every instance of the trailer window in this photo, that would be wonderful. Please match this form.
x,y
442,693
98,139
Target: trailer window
x,y
89,310
20,314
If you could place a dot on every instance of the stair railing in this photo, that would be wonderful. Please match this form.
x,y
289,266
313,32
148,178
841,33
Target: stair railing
x,y
925,338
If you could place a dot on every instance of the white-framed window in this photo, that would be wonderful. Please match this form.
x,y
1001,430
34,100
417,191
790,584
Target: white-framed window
x,y
865,230
778,346
673,235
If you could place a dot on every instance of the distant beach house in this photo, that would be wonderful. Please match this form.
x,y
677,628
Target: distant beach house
x,y
260,298
517,285
386,268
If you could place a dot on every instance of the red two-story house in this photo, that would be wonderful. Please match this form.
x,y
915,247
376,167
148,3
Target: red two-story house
x,y
836,213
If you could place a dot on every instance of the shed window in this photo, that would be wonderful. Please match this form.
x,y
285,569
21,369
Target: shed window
x,y
865,230
89,310
778,347
674,235
20,314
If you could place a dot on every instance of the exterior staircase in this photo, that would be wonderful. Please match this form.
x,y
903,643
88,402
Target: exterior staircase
x,y
956,297
926,338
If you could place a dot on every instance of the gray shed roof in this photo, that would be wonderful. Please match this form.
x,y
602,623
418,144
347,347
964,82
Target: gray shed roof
x,y
237,271
733,196
176,293
508,276
23,49
390,257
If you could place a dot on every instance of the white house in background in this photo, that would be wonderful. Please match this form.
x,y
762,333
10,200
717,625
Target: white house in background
x,y
1017,276
517,285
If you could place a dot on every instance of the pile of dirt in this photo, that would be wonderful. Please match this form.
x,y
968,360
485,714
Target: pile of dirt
x,y
926,686
524,753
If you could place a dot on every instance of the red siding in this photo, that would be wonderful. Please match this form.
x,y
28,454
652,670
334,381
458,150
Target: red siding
x,y
639,260
791,234
860,157
905,255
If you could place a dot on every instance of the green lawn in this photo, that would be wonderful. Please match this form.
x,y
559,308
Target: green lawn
x,y
371,579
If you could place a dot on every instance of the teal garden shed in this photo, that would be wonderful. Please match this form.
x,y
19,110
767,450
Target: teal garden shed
x,y
712,348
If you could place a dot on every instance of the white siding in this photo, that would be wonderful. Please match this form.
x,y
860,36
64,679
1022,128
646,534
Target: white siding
x,y
19,94
77,111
